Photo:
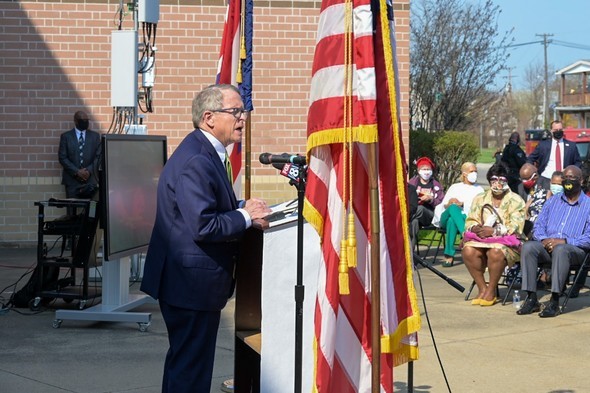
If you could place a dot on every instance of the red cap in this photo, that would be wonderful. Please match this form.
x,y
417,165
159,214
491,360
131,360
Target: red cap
x,y
424,161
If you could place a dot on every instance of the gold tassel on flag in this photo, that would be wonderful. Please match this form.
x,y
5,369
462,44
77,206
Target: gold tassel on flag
x,y
351,241
343,286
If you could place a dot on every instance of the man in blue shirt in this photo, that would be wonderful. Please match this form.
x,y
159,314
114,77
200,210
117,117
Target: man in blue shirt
x,y
561,237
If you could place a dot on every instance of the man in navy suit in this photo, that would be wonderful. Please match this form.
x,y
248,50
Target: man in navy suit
x,y
555,154
194,245
78,150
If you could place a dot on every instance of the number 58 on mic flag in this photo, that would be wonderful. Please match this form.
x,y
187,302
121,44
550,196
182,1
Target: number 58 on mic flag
x,y
353,103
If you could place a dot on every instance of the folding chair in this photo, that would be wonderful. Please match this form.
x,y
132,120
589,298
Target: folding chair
x,y
579,271
436,239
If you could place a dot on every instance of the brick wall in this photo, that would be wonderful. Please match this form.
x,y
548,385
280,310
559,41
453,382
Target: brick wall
x,y
56,60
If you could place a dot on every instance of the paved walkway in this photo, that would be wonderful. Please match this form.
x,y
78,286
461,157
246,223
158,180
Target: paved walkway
x,y
483,349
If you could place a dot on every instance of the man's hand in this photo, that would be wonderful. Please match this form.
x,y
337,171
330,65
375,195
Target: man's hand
x,y
257,208
83,174
482,231
550,243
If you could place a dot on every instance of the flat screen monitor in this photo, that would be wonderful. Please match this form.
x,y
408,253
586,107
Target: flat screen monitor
x,y
131,168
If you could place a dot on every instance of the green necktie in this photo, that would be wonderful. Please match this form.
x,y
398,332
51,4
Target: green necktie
x,y
228,169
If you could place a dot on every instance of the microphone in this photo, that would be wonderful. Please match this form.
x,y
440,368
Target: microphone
x,y
285,158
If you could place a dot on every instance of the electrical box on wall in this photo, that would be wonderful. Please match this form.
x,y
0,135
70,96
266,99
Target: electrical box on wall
x,y
148,11
124,68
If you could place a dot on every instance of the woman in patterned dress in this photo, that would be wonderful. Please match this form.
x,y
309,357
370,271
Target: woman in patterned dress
x,y
495,215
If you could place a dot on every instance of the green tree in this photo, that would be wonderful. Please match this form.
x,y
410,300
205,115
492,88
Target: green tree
x,y
451,150
457,51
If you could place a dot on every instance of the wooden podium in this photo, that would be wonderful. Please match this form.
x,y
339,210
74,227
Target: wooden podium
x,y
265,307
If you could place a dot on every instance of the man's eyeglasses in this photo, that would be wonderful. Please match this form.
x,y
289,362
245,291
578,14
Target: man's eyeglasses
x,y
235,112
500,179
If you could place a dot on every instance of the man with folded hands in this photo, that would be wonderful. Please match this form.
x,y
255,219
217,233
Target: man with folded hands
x,y
561,236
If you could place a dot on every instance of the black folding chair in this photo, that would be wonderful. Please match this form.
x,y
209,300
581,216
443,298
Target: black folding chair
x,y
434,240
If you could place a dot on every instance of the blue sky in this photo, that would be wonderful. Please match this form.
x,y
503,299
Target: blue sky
x,y
567,20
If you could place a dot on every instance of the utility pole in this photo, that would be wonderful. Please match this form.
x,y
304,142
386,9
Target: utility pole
x,y
546,82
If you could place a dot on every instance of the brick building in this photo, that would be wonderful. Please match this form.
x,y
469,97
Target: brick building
x,y
56,60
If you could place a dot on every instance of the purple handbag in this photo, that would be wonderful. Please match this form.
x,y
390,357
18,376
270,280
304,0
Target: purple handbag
x,y
512,240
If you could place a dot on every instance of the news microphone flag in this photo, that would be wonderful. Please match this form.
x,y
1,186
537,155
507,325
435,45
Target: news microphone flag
x,y
235,67
353,103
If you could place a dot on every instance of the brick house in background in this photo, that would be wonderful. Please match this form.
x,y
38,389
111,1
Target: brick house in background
x,y
56,60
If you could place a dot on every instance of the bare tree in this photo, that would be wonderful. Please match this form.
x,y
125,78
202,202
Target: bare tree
x,y
456,54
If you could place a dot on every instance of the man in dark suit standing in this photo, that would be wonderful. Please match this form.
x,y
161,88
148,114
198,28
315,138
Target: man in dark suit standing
x,y
194,245
556,153
78,149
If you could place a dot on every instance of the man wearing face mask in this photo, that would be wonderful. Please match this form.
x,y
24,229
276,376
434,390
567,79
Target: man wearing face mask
x,y
561,237
533,190
513,156
78,149
555,154
430,194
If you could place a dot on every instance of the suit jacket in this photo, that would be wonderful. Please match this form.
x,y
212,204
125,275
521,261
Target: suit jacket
x,y
69,156
194,244
543,151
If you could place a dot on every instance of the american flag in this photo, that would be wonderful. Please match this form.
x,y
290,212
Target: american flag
x,y
353,103
235,66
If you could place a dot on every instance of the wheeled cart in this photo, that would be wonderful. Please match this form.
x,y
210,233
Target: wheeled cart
x,y
79,231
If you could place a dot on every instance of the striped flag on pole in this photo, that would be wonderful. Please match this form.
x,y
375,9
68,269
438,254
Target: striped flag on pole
x,y
354,103
235,66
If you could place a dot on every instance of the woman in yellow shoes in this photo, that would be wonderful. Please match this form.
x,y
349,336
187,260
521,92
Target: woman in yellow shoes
x,y
492,236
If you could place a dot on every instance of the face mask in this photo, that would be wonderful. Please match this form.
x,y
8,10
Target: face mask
x,y
556,188
499,188
425,174
530,182
82,125
472,177
558,134
571,187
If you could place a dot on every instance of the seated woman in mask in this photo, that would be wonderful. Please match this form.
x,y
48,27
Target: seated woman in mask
x,y
492,236
430,194
455,206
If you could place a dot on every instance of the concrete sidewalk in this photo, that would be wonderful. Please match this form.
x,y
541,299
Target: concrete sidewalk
x,y
482,349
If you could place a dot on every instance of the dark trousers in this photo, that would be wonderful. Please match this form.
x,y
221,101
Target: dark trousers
x,y
561,259
189,362
422,218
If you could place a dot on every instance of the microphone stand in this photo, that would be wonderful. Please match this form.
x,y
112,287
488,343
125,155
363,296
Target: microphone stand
x,y
299,287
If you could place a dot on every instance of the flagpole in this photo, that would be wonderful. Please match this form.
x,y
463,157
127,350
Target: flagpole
x,y
375,270
247,158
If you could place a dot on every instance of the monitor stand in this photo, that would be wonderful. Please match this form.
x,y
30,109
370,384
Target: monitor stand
x,y
116,299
